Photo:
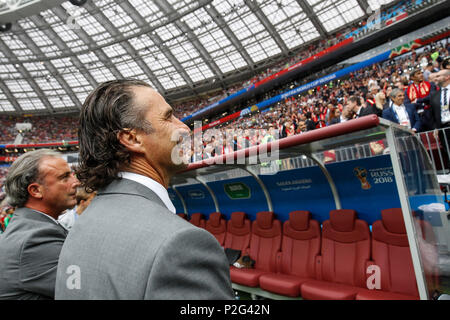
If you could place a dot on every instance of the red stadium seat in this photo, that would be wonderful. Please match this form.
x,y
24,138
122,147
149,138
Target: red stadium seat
x,y
238,232
390,252
217,226
198,220
182,216
265,243
345,254
296,263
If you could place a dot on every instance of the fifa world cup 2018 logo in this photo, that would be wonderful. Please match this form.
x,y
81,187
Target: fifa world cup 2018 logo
x,y
361,174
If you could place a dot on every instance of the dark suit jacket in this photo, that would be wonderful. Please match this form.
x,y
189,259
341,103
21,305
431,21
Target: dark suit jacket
x,y
434,99
390,114
128,245
29,252
370,109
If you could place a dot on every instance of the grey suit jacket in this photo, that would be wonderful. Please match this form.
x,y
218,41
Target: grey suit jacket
x,y
29,251
128,245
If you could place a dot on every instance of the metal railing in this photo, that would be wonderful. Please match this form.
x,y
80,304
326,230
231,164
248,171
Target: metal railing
x,y
436,142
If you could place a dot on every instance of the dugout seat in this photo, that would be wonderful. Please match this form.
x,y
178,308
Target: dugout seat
x,y
296,261
198,220
238,232
217,226
345,252
182,216
391,253
265,243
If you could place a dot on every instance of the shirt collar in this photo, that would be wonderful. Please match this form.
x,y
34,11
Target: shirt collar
x,y
156,187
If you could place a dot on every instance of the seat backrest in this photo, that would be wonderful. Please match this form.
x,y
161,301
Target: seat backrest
x,y
265,241
345,248
300,245
182,216
390,252
217,226
238,232
198,220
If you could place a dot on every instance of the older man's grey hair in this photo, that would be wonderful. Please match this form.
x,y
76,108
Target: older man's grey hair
x,y
395,93
23,172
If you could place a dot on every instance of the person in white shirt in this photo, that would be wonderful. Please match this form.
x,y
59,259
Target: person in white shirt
x,y
70,216
401,113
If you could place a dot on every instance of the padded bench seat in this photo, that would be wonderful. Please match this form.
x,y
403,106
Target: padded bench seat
x,y
296,261
366,294
325,290
283,284
247,277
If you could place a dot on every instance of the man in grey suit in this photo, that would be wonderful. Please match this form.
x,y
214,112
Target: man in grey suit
x,y
129,243
41,185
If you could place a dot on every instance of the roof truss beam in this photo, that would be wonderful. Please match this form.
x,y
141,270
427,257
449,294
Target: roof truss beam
x,y
49,32
26,75
183,26
64,16
313,17
217,17
267,24
25,38
140,21
129,49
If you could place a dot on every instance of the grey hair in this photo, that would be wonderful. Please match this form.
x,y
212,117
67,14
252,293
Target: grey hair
x,y
395,92
23,172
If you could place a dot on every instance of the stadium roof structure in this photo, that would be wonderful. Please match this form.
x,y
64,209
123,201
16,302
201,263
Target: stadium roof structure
x,y
51,60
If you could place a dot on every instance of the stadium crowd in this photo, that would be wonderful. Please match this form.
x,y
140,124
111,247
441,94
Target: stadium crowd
x,y
366,91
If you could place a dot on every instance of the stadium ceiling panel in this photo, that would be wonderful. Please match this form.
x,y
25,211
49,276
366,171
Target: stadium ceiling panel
x,y
52,60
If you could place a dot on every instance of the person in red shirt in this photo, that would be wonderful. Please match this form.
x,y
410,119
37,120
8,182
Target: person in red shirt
x,y
419,89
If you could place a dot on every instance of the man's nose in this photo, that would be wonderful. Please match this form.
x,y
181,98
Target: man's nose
x,y
76,182
184,126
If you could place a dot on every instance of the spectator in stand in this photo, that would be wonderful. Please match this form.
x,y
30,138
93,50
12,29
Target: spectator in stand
x,y
6,213
380,101
401,113
70,216
371,107
419,89
309,123
428,70
334,116
41,186
439,101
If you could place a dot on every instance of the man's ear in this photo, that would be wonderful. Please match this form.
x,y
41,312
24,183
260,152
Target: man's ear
x,y
131,140
35,190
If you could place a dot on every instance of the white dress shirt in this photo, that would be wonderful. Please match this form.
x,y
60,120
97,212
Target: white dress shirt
x,y
402,115
156,187
343,119
445,112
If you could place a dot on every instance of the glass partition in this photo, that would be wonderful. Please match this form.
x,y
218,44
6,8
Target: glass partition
x,y
427,215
